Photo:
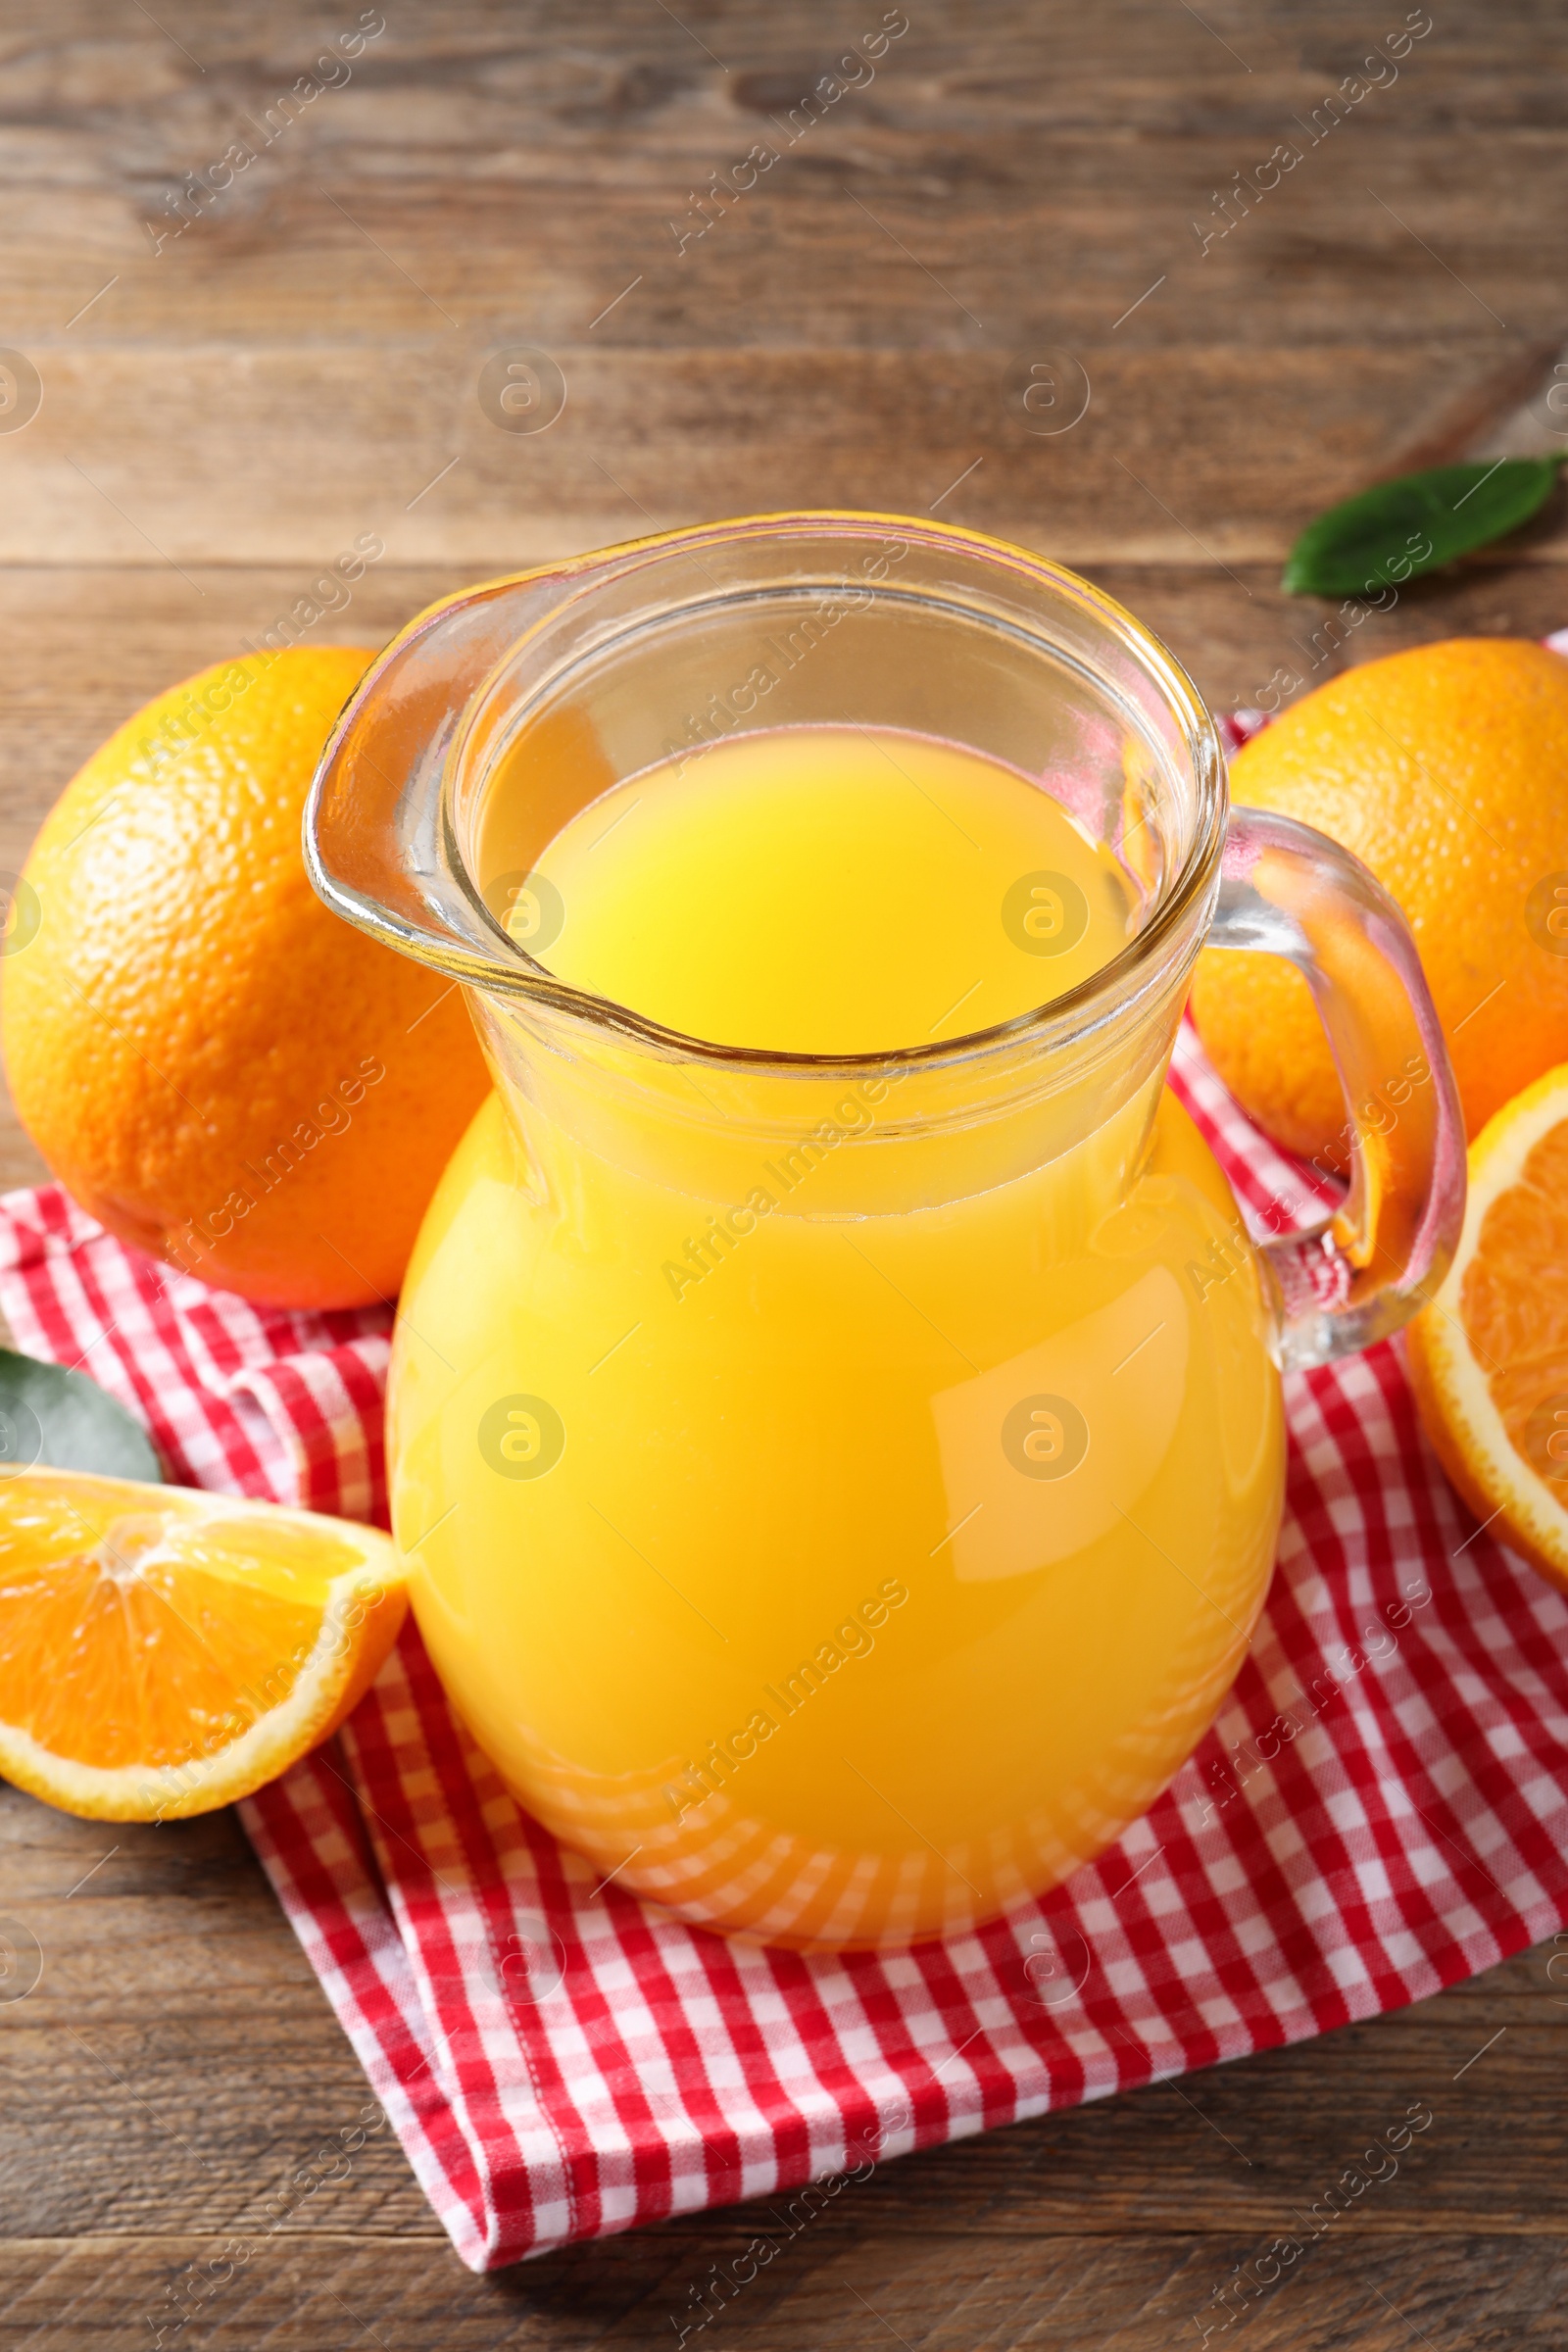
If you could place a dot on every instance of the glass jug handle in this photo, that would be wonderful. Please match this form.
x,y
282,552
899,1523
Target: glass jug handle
x,y
1287,890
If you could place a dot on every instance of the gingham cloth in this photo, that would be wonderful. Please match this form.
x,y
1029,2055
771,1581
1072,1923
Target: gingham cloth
x,y
1381,1809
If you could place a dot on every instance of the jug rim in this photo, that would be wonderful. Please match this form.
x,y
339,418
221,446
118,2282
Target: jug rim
x,y
492,960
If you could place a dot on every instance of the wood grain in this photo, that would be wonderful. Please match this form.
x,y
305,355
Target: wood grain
x,y
300,367
335,442
1118,2293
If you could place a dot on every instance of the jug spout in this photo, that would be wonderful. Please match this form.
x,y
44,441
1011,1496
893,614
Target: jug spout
x,y
378,842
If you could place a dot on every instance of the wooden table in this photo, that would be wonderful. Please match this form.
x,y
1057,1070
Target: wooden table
x,y
226,410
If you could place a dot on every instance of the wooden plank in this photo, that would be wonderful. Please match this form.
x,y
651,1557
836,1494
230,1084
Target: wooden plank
x,y
1223,460
1125,2293
881,230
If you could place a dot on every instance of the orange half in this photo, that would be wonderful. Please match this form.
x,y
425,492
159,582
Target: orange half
x,y
1489,1357
164,1651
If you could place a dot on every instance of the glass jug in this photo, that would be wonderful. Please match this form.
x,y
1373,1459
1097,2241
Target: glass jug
x,y
839,1492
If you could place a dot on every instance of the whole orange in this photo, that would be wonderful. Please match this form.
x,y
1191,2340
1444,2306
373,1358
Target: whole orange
x,y
215,1066
1446,771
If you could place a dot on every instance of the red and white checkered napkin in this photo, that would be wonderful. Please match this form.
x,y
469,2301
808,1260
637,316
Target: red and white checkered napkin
x,y
1381,1809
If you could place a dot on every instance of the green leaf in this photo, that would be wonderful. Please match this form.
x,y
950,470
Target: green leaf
x,y
1399,529
67,1422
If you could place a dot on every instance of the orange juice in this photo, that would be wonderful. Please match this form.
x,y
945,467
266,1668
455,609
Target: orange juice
x,y
840,1534
825,890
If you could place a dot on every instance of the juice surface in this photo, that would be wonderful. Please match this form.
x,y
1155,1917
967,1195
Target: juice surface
x,y
839,1574
827,890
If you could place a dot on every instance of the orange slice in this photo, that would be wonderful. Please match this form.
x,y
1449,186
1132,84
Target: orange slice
x,y
1489,1357
164,1651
